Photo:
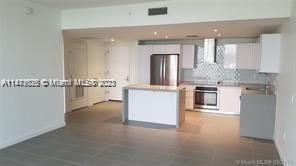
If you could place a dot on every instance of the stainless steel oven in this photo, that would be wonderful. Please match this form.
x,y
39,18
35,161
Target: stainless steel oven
x,y
206,98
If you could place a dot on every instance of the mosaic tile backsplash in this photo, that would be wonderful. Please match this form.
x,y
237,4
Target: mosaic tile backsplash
x,y
216,72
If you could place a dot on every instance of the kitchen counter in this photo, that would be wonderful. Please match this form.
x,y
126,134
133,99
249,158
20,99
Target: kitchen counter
x,y
225,84
164,105
245,91
244,86
205,83
153,87
229,94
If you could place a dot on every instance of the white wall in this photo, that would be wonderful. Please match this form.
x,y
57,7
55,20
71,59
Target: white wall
x,y
286,110
31,47
179,11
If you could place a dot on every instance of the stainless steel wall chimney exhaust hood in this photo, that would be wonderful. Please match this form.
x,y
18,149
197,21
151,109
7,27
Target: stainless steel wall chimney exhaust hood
x,y
210,50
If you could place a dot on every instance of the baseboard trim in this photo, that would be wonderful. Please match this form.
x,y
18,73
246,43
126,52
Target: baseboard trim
x,y
280,150
31,135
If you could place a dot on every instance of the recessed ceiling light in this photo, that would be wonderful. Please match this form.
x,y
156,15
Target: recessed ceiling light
x,y
29,10
166,37
219,35
112,40
155,33
215,30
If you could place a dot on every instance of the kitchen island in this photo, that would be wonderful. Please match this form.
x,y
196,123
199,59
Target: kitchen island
x,y
258,110
154,104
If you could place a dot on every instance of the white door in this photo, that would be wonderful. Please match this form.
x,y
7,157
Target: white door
x,y
96,70
118,69
78,70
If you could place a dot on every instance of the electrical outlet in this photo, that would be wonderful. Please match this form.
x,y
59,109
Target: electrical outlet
x,y
293,98
284,136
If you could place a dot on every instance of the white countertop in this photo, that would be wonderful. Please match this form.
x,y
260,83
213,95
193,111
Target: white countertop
x,y
222,84
154,87
243,86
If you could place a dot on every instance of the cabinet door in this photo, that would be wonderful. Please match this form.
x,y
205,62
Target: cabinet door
x,y
270,53
188,52
189,96
159,49
230,99
167,49
230,56
144,63
189,103
256,55
173,49
245,56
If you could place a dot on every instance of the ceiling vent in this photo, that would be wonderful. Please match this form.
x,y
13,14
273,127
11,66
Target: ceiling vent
x,y
192,36
157,11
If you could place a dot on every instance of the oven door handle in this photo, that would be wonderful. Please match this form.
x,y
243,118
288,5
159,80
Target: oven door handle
x,y
205,91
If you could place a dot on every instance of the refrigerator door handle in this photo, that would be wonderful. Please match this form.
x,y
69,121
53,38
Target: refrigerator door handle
x,y
161,71
164,70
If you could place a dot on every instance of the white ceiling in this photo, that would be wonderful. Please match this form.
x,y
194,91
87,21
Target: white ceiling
x,y
72,4
228,29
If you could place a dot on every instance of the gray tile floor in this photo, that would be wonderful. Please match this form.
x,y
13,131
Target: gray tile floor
x,y
95,137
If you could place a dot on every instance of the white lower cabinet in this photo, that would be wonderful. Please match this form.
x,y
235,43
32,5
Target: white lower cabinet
x,y
189,96
230,99
189,103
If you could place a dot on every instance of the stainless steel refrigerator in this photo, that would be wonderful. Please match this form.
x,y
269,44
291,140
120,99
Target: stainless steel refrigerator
x,y
164,69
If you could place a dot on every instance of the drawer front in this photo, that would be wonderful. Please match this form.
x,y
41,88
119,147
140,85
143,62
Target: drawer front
x,y
189,93
189,103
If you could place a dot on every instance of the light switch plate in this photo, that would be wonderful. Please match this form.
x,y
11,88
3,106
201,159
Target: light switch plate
x,y
293,98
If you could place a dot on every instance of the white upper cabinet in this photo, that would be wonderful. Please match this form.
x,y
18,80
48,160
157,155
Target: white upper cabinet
x,y
173,49
270,53
256,55
188,52
167,49
241,56
245,58
145,51
230,56
159,49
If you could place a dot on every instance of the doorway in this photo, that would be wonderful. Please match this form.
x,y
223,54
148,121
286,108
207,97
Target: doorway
x,y
92,59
